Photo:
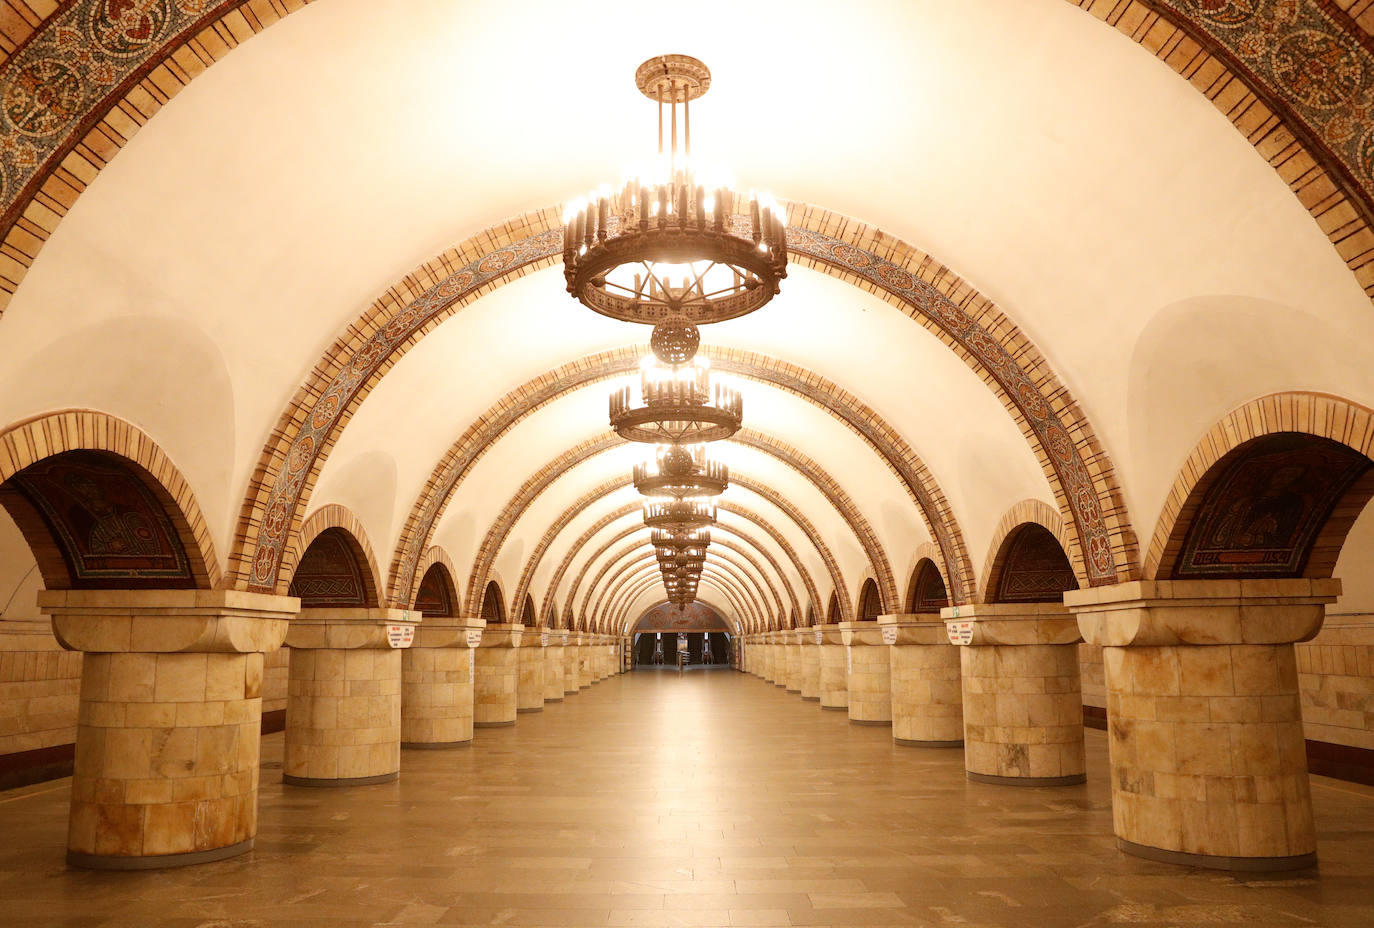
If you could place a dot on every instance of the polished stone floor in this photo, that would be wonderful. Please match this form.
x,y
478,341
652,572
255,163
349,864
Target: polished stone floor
x,y
708,798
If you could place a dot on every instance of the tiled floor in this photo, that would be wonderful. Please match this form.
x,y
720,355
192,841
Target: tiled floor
x,y
707,799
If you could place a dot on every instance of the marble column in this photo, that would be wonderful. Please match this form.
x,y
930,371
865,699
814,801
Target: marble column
x,y
529,689
927,694
168,722
1023,697
834,683
1209,765
497,677
584,660
776,658
553,665
343,702
792,646
572,659
436,683
868,674
811,664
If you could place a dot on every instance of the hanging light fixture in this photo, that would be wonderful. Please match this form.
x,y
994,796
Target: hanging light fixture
x,y
675,403
678,471
679,514
668,247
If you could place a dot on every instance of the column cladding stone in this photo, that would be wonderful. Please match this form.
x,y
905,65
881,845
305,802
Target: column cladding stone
x,y
834,683
529,691
927,692
1023,697
554,665
497,676
437,683
868,674
343,702
811,664
572,658
1204,719
792,644
170,710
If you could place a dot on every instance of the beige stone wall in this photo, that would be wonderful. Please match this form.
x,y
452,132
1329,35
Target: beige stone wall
x,y
1091,670
39,687
344,720
274,674
1336,677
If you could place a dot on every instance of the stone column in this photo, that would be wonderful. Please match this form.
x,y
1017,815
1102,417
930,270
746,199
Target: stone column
x,y
498,673
553,665
572,651
772,661
584,660
868,675
927,695
343,703
834,683
168,723
436,683
1204,719
811,664
1023,697
529,691
792,645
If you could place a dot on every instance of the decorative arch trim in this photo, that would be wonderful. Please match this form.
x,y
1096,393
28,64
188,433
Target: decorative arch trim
x,y
334,516
436,554
1027,510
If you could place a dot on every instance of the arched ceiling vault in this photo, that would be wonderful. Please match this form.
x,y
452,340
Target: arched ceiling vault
x,y
632,596
727,577
264,329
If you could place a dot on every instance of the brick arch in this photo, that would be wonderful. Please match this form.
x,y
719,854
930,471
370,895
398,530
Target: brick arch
x,y
922,596
491,603
31,441
869,601
343,520
807,468
1304,143
1321,415
835,608
436,556
753,593
526,611
809,386
1024,523
624,595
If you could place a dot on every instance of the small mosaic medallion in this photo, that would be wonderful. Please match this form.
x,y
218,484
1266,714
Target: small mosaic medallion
x,y
125,28
42,97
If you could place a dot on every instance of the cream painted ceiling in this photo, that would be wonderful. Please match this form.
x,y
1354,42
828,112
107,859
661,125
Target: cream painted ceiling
x,y
1161,266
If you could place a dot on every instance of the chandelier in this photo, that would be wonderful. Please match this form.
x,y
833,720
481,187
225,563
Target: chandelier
x,y
668,247
679,514
678,472
675,403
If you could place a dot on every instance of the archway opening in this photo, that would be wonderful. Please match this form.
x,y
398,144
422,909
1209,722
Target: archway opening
x,y
1031,567
926,593
333,573
436,597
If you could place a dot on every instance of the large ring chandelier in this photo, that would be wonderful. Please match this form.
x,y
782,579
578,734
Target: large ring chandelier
x,y
668,247
679,514
676,404
678,472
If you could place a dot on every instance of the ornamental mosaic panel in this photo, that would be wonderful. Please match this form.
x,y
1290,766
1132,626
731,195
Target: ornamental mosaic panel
x,y
111,529
1262,514
435,596
928,590
1035,569
693,617
493,610
870,603
329,574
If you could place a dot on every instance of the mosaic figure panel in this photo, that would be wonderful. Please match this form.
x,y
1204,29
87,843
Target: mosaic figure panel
x,y
111,529
1262,513
694,617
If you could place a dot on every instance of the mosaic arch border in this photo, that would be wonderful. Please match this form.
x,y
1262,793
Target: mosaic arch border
x,y
789,456
742,512
40,437
1020,513
629,509
437,554
1322,415
760,587
341,517
1078,470
104,84
824,394
640,560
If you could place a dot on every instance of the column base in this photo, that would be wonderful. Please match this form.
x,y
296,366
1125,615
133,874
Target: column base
x,y
509,724
909,742
434,745
887,722
533,709
835,708
157,861
812,698
1213,862
329,782
794,692
553,699
1072,779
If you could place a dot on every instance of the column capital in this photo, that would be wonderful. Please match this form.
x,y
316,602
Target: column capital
x,y
168,621
501,635
830,634
856,634
349,629
981,624
913,628
1161,613
449,632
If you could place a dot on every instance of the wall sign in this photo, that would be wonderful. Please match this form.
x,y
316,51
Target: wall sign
x,y
959,632
400,636
819,635
474,638
544,640
890,634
